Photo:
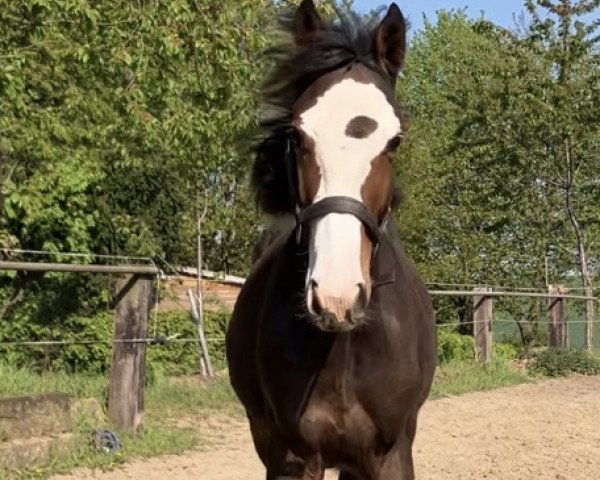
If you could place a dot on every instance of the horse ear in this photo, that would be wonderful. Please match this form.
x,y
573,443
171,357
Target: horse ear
x,y
306,22
390,41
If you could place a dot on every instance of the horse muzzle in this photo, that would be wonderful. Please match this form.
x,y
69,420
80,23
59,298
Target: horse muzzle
x,y
340,313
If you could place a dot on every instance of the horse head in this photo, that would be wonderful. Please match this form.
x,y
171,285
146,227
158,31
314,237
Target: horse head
x,y
329,158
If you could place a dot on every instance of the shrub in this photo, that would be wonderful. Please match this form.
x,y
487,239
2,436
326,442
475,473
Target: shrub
x,y
171,358
26,326
452,346
506,351
183,358
562,361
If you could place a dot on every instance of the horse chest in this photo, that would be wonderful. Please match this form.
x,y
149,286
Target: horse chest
x,y
335,421
357,404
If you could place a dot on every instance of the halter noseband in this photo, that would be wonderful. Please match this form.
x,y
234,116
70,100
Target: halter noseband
x,y
348,205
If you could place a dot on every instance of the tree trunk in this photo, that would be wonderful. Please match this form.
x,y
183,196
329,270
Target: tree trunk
x,y
199,300
589,315
586,277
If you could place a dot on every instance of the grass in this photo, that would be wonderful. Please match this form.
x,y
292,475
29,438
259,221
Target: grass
x,y
456,378
153,440
22,381
166,399
174,399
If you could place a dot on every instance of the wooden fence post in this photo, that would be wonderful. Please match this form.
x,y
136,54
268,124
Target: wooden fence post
x,y
557,318
482,324
126,390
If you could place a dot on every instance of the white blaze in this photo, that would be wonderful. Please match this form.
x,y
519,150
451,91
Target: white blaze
x,y
344,163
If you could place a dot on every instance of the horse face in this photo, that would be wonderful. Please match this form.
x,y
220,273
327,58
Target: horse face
x,y
348,127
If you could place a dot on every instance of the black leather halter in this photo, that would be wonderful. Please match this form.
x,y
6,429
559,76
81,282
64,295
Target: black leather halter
x,y
348,205
351,206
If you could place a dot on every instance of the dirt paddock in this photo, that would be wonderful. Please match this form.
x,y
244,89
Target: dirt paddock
x,y
549,430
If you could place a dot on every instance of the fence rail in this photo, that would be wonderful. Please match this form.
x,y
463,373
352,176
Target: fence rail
x,y
80,268
492,294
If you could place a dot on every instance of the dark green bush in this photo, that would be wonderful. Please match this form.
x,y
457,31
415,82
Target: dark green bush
x,y
182,358
558,362
27,326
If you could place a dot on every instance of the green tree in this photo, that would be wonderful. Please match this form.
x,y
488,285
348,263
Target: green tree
x,y
480,165
113,114
466,196
568,46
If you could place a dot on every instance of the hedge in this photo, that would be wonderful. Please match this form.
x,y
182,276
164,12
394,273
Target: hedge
x,y
175,358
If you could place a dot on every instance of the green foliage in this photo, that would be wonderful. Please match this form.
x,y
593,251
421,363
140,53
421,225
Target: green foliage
x,y
114,115
505,351
559,362
183,358
58,307
170,359
452,346
118,120
489,190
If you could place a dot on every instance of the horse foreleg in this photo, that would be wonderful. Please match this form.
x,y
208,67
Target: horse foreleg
x,y
295,472
283,465
398,463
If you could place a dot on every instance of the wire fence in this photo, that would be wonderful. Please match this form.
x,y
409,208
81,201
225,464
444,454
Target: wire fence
x,y
505,330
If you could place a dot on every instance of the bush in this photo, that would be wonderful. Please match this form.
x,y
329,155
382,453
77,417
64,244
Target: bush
x,y
172,358
183,358
562,361
26,326
506,351
452,346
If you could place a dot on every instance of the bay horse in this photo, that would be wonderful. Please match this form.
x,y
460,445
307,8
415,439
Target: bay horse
x,y
331,345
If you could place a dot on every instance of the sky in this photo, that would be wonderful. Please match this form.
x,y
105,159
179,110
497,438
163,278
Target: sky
x,y
499,12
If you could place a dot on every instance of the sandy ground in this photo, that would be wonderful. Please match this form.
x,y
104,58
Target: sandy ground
x,y
549,430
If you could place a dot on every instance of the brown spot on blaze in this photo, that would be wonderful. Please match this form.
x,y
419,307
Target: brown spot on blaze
x,y
360,127
363,74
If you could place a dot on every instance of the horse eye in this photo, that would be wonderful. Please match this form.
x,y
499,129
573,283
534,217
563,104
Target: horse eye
x,y
394,143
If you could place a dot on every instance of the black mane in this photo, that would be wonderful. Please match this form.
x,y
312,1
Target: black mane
x,y
348,39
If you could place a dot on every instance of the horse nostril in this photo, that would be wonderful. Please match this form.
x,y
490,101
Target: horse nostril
x,y
315,305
